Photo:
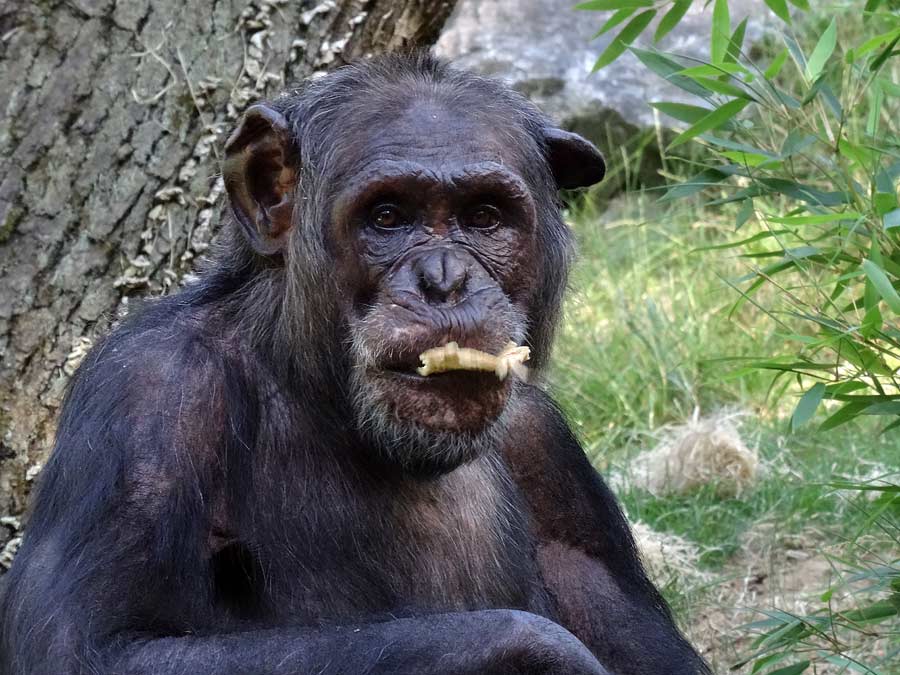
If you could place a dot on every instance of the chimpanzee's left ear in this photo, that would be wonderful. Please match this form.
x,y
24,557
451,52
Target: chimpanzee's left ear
x,y
260,178
573,160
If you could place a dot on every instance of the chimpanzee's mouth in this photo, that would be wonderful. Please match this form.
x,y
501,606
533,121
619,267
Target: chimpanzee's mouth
x,y
451,359
448,388
463,377
409,374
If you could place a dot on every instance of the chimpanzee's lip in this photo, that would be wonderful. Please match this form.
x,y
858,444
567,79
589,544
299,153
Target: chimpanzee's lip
x,y
411,374
405,359
468,378
404,374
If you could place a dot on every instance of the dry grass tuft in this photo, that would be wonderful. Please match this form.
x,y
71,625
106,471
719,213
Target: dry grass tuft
x,y
703,451
668,557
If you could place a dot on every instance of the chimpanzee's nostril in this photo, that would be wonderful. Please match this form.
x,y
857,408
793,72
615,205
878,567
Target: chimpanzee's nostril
x,y
442,275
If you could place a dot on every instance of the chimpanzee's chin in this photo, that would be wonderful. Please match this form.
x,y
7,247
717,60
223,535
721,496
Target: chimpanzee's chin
x,y
423,453
455,403
425,431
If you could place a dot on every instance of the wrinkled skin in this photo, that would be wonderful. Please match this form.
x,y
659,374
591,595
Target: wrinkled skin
x,y
440,228
250,477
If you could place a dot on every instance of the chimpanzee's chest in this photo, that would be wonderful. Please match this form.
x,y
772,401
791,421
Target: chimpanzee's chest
x,y
459,542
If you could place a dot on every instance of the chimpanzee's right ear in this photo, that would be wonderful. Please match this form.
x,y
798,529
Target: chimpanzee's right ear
x,y
260,177
574,161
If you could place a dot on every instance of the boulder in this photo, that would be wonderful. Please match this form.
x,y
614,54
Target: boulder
x,y
544,49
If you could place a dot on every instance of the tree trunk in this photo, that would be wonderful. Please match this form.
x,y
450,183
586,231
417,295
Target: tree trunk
x,y
115,115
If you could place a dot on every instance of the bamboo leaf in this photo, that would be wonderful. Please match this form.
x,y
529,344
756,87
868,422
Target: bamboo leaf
x,y
777,64
793,669
808,194
668,69
884,408
892,425
749,240
822,52
796,142
740,147
883,285
683,112
818,219
721,31
712,121
876,98
671,19
844,414
693,185
737,42
885,54
767,660
807,405
627,35
715,70
873,612
884,202
874,43
780,8
744,214
872,321
892,219
795,51
751,159
726,88
614,20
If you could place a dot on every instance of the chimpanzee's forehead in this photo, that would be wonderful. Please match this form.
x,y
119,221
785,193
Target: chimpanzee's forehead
x,y
442,137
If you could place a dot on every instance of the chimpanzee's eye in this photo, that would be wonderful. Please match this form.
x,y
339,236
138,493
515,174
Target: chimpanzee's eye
x,y
483,217
387,217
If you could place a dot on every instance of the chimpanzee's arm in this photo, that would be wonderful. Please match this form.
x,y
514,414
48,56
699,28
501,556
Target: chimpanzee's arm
x,y
114,574
56,642
586,551
484,642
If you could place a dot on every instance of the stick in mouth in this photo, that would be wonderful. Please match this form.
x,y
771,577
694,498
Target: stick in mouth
x,y
453,357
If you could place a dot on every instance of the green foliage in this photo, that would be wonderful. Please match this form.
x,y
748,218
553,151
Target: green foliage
x,y
859,636
642,324
800,148
637,350
810,159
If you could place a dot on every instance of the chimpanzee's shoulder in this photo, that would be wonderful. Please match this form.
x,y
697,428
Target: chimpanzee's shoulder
x,y
536,403
160,345
539,430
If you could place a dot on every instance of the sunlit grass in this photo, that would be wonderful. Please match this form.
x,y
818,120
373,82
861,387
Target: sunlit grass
x,y
645,325
646,338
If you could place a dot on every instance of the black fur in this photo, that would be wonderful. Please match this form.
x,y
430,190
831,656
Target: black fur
x,y
210,505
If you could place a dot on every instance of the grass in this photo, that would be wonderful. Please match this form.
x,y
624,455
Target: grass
x,y
645,323
654,335
645,333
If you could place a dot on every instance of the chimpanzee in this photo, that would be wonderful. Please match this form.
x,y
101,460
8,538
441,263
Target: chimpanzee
x,y
250,477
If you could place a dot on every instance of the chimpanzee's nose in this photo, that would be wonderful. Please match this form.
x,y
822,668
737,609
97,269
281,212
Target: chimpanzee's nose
x,y
441,275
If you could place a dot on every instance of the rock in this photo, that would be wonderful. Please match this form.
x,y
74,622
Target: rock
x,y
543,48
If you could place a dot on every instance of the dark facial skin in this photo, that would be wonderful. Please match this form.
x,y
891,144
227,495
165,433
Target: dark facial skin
x,y
441,229
249,477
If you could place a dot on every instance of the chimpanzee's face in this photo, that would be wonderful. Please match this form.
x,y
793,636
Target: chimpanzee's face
x,y
438,230
438,214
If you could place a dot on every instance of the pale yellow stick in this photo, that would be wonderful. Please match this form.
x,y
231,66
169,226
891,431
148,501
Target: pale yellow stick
x,y
453,357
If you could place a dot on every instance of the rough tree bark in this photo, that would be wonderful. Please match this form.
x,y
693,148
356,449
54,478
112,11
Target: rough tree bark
x,y
114,113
